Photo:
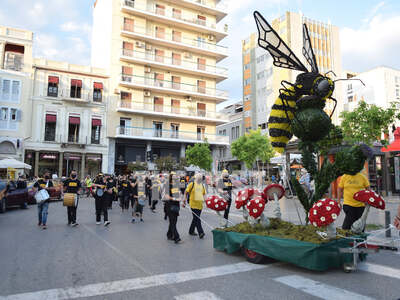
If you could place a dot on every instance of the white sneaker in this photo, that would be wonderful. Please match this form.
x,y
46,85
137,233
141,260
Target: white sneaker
x,y
106,223
98,223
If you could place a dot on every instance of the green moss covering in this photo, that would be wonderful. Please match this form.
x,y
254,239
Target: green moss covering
x,y
282,229
311,124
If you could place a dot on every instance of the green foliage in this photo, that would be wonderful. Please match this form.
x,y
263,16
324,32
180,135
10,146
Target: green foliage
x,y
137,166
199,155
311,124
182,164
165,163
251,147
367,122
334,138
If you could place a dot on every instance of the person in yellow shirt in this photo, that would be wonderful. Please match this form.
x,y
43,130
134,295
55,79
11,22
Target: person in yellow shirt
x,y
348,186
196,191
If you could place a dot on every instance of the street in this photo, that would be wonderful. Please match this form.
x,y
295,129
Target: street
x,y
135,261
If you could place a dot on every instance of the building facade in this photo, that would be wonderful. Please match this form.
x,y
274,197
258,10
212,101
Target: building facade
x,y
162,59
15,86
69,120
262,80
234,129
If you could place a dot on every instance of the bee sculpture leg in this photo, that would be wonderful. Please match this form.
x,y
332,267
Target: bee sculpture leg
x,y
333,107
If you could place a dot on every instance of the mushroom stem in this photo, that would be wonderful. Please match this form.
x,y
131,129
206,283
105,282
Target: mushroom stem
x,y
277,210
331,230
252,221
264,221
359,225
245,213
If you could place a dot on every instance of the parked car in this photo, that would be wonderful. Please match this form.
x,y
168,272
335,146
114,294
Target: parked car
x,y
3,189
15,195
55,192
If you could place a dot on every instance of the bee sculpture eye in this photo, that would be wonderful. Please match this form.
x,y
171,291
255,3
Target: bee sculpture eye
x,y
322,88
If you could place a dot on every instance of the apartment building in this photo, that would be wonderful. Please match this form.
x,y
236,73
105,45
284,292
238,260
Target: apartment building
x,y
233,129
68,128
15,85
262,80
162,57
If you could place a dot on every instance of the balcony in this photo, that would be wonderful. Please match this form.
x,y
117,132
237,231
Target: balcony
x,y
185,113
181,65
178,42
143,133
175,88
219,11
183,19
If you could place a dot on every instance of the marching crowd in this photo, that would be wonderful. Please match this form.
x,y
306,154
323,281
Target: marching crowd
x,y
133,191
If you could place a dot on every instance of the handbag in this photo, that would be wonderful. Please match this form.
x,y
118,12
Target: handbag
x,y
42,195
174,208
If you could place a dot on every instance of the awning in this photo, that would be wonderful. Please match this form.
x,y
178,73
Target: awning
x,y
74,120
96,122
395,145
51,118
53,79
98,85
76,82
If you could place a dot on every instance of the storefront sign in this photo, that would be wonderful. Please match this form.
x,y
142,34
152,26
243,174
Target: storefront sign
x,y
93,157
397,173
48,156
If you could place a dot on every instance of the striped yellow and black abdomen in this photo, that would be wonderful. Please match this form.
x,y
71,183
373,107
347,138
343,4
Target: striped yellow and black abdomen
x,y
282,113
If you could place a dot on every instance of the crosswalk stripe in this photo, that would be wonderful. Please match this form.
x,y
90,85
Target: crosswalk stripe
x,y
319,289
205,295
119,286
380,270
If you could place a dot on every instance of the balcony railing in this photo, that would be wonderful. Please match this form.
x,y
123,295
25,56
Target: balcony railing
x,y
180,63
168,13
220,6
153,133
173,110
186,41
184,87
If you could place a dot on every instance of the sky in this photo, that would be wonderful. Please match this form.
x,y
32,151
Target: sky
x,y
369,29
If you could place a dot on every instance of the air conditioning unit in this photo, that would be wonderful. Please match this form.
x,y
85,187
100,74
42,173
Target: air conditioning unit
x,y
147,93
187,55
117,91
140,44
211,37
188,98
147,69
13,61
149,47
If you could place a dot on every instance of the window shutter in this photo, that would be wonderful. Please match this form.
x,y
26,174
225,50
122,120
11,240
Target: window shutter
x,y
15,90
19,115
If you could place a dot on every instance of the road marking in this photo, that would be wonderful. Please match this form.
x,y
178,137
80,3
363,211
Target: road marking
x,y
319,289
205,295
380,270
119,286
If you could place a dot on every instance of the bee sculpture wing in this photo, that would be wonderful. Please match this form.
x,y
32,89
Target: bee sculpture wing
x,y
308,51
280,52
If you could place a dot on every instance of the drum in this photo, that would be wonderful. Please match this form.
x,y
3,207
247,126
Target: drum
x,y
99,192
70,199
41,196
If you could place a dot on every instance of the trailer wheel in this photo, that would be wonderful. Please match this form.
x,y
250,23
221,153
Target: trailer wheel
x,y
252,256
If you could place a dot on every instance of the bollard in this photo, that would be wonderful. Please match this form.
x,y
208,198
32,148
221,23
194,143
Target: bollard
x,y
387,223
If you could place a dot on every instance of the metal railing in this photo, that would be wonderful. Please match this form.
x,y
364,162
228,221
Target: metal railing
x,y
183,63
186,41
219,6
154,82
130,131
169,109
169,13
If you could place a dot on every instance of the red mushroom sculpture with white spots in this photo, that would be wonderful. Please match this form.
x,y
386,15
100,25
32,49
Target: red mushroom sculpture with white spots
x,y
275,192
324,213
255,208
370,198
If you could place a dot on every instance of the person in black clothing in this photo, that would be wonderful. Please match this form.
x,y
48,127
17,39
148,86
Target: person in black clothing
x,y
133,190
225,189
172,197
101,199
110,196
148,189
43,207
72,185
125,191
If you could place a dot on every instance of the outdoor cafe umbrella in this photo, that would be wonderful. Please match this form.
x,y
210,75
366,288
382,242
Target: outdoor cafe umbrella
x,y
13,163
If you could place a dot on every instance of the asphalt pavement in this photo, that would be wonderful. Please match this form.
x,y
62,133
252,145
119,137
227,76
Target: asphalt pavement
x,y
135,261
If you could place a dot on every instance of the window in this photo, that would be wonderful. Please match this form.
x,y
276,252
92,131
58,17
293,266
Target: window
x,y
128,24
127,49
160,9
201,20
159,55
397,80
4,114
73,129
97,91
126,100
246,67
247,81
159,79
157,129
233,133
201,86
76,87
174,131
176,36
176,13
10,90
50,128
160,32
158,104
201,109
200,132
176,59
260,75
175,106
397,93
201,64
349,88
127,73
9,118
52,86
124,125
96,128
13,114
224,132
350,99
176,82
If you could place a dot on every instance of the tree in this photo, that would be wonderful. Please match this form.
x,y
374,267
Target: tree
x,y
367,122
199,155
251,147
182,164
165,163
137,166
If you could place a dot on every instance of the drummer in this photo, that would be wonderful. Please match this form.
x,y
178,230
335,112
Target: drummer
x,y
101,199
225,189
73,186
